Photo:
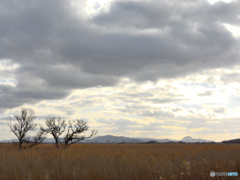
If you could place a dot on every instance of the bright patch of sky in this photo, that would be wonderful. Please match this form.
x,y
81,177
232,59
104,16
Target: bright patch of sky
x,y
6,65
93,6
235,30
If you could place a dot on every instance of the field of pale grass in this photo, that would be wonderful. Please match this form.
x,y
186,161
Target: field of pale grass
x,y
119,161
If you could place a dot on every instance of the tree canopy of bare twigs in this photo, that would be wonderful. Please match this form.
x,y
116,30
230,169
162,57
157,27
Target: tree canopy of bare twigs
x,y
57,126
75,128
25,123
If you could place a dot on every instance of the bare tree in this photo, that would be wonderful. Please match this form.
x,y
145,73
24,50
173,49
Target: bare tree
x,y
25,123
55,127
75,128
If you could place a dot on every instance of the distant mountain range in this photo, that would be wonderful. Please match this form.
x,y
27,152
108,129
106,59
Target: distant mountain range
x,y
231,141
119,139
122,139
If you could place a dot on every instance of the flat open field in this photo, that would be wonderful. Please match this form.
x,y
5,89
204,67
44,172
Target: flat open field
x,y
119,161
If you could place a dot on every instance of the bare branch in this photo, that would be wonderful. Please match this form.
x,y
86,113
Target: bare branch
x,y
25,124
75,128
55,127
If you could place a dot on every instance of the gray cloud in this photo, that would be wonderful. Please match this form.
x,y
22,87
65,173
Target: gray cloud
x,y
206,93
220,109
179,50
230,77
126,126
124,122
161,114
83,103
152,13
58,51
195,124
1,123
144,110
136,95
177,109
120,125
4,120
165,100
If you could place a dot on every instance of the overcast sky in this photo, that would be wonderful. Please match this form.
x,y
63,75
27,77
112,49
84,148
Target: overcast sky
x,y
162,69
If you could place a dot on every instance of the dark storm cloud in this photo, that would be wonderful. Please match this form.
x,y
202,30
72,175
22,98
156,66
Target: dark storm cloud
x,y
155,14
58,51
192,37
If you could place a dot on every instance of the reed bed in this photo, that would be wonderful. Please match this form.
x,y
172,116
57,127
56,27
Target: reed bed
x,y
119,161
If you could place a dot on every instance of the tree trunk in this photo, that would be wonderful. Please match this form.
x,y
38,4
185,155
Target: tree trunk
x,y
20,144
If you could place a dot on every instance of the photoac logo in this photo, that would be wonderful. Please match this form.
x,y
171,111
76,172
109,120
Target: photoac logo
x,y
212,174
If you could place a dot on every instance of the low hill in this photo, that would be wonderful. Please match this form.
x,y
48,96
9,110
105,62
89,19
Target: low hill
x,y
231,141
189,139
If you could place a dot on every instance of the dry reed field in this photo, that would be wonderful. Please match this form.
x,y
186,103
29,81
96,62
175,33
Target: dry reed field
x,y
119,161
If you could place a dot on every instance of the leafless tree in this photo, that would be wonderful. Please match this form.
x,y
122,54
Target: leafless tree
x,y
25,123
75,128
55,127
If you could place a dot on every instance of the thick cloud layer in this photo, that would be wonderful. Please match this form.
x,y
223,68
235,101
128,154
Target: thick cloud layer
x,y
58,50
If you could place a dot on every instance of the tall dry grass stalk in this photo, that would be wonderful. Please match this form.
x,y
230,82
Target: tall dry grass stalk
x,y
119,161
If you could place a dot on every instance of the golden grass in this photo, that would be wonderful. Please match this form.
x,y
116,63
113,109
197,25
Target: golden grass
x,y
119,161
